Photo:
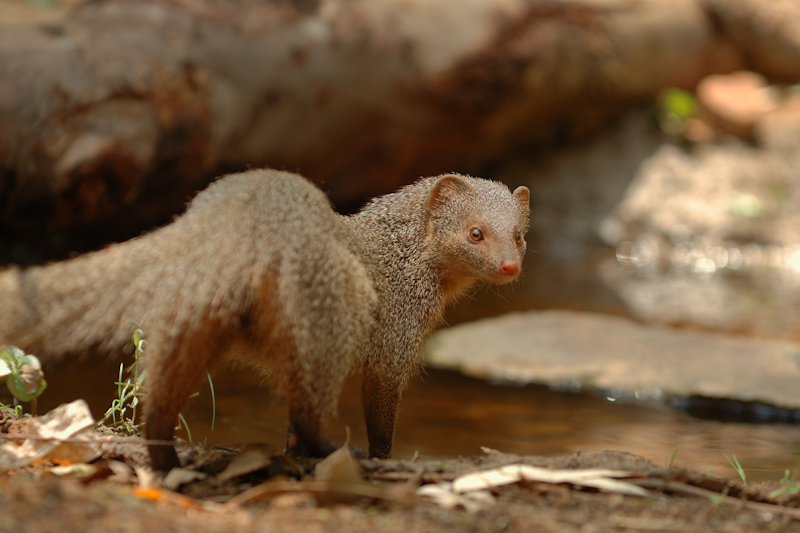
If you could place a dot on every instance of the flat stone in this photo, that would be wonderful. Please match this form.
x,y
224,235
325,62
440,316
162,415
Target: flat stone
x,y
594,351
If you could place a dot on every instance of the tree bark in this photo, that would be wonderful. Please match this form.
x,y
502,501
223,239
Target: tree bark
x,y
112,118
766,33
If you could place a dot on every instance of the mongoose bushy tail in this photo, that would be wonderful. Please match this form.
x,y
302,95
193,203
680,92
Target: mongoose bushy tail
x,y
260,269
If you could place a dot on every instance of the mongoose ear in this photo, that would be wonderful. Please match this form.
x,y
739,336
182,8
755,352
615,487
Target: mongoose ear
x,y
523,196
446,187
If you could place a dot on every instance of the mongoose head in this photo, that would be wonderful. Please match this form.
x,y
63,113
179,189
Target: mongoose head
x,y
478,230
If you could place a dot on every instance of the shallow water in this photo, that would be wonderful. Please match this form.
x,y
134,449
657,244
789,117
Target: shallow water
x,y
446,415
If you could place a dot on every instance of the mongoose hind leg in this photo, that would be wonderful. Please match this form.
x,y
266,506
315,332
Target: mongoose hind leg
x,y
161,427
306,436
297,446
171,378
329,317
313,393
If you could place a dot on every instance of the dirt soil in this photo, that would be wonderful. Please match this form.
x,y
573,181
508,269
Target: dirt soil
x,y
117,492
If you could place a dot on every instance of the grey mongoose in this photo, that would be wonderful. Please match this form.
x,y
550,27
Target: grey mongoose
x,y
262,270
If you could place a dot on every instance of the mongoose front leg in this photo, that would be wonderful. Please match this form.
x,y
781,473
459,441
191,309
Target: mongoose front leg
x,y
311,400
380,397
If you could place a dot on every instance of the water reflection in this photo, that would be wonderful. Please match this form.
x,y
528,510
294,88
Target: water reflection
x,y
703,256
748,288
447,415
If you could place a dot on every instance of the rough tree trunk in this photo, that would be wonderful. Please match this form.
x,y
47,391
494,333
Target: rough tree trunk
x,y
112,118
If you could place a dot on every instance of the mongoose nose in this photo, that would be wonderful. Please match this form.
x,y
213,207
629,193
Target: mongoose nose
x,y
509,268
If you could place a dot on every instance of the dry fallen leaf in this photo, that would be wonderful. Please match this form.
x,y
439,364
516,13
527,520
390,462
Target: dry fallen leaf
x,y
78,470
598,478
152,494
442,494
67,453
87,473
72,421
252,458
167,497
471,491
339,467
147,478
322,491
338,479
181,476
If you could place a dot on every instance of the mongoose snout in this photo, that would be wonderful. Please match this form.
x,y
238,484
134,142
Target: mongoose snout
x,y
510,269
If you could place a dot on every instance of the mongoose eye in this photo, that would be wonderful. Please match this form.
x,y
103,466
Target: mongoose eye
x,y
475,234
518,237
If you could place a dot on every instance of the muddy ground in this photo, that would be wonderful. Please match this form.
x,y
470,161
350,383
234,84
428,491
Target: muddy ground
x,y
117,492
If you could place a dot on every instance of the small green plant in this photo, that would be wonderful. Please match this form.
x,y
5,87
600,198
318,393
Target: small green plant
x,y
121,415
738,467
213,401
718,499
790,485
669,462
185,427
182,421
676,106
16,410
23,375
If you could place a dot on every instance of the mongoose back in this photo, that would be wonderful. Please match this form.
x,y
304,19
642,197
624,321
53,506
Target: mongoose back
x,y
261,269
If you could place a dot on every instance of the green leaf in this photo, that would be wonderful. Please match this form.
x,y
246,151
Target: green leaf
x,y
23,373
24,387
678,102
5,370
29,360
10,355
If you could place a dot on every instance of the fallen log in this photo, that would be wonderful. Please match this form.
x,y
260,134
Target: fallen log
x,y
110,119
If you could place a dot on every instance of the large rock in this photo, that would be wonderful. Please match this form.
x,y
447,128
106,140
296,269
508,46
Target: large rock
x,y
709,235
593,351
